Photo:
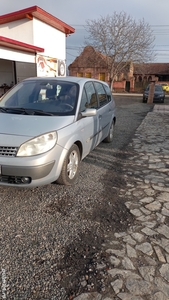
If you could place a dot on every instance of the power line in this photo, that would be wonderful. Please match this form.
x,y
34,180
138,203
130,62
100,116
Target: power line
x,y
71,54
158,30
73,48
154,25
159,25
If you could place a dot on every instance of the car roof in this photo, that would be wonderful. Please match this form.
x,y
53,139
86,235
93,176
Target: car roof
x,y
79,80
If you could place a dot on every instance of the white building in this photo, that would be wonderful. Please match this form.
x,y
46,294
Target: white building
x,y
32,43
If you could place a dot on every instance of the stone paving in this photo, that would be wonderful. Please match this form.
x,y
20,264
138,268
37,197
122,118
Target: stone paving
x,y
140,256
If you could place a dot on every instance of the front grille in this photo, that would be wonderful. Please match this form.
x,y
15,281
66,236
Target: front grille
x,y
8,151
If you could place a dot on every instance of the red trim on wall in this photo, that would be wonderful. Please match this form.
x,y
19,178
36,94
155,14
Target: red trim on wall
x,y
9,43
40,14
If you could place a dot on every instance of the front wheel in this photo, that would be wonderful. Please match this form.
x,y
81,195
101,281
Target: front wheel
x,y
110,136
70,168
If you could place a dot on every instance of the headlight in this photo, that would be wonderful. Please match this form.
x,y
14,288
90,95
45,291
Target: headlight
x,y
38,145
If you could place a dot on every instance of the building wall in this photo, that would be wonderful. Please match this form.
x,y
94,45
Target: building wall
x,y
90,62
21,30
40,34
16,55
37,33
97,73
49,38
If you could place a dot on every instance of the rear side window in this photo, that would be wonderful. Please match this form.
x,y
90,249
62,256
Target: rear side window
x,y
102,95
108,92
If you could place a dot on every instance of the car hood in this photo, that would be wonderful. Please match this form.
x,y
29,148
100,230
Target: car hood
x,y
31,126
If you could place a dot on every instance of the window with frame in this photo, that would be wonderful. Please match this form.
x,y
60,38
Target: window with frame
x,y
88,75
91,95
102,76
102,96
79,74
108,92
84,101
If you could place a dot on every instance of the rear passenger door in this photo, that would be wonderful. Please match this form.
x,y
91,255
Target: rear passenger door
x,y
104,111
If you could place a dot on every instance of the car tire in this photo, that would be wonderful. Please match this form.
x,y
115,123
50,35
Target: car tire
x,y
70,168
110,136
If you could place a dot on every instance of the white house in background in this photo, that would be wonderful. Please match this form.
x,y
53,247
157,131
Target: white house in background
x,y
32,43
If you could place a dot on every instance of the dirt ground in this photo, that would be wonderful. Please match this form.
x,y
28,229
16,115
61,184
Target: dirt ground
x,y
78,268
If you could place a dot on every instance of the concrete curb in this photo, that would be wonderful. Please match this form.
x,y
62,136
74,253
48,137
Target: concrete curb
x,y
161,108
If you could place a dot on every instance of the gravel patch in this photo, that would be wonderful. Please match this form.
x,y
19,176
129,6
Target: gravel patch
x,y
51,236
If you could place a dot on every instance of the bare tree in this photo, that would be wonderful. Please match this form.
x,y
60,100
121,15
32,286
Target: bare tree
x,y
122,40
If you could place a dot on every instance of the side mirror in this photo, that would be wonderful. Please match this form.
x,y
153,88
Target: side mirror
x,y
89,112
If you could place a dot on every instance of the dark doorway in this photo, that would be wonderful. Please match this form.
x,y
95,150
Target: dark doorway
x,y
127,86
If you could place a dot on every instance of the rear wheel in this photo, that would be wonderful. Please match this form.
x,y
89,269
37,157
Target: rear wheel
x,y
110,136
70,168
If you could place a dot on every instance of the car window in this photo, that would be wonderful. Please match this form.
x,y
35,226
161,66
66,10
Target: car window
x,y
102,96
48,93
84,101
22,95
91,95
108,91
158,88
51,96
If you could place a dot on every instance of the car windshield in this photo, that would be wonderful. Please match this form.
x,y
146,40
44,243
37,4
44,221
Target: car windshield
x,y
158,88
49,97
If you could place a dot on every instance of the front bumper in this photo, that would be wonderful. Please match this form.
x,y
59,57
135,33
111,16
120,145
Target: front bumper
x,y
32,171
158,99
24,175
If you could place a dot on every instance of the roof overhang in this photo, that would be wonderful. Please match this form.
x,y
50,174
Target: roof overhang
x,y
40,14
9,43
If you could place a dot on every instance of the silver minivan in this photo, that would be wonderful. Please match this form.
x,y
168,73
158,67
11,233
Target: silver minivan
x,y
48,125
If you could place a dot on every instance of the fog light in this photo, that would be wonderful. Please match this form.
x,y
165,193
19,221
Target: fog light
x,y
25,180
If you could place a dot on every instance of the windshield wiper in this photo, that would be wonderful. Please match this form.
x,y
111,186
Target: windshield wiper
x,y
25,111
2,109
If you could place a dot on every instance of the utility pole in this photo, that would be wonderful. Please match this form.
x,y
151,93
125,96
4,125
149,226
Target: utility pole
x,y
151,92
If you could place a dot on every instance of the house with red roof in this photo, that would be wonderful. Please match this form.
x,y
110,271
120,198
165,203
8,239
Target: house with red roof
x,y
32,43
133,78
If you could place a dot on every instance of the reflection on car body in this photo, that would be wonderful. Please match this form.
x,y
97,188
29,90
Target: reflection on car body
x,y
48,125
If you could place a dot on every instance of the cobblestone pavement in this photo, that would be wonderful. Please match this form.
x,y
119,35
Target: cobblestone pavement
x,y
140,256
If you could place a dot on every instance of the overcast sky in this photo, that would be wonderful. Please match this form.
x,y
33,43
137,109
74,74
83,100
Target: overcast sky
x,y
76,12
